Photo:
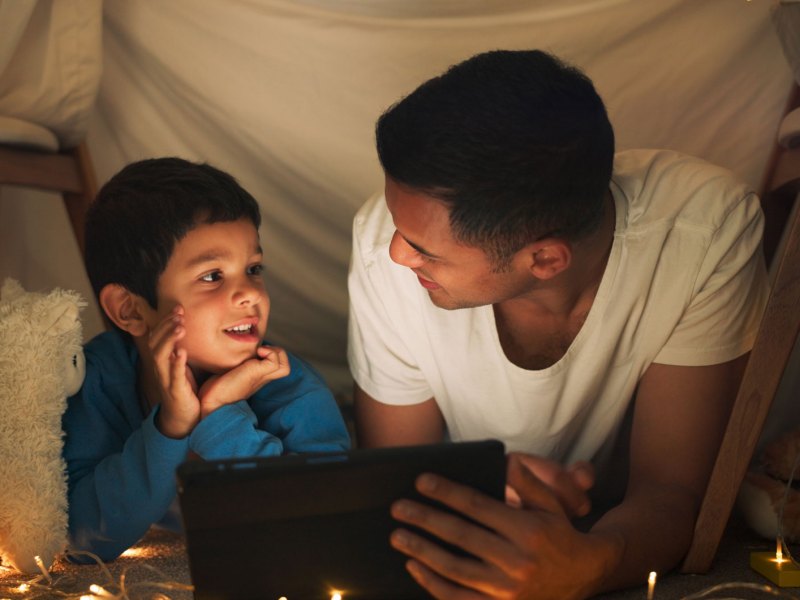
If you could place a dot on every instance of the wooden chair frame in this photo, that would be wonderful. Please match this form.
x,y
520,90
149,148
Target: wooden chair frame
x,y
773,346
69,172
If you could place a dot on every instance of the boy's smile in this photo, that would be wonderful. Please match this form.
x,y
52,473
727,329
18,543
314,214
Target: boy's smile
x,y
214,273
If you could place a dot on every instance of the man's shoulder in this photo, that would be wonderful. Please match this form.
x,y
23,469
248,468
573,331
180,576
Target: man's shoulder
x,y
663,185
372,226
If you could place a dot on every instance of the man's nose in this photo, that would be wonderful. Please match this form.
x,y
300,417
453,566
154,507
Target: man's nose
x,y
401,252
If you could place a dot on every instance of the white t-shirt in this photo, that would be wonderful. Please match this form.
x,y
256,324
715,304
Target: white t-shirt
x,y
685,284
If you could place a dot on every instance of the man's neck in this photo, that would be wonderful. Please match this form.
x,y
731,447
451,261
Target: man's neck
x,y
536,329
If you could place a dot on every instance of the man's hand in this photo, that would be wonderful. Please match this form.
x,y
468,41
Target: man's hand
x,y
241,382
525,551
570,485
180,407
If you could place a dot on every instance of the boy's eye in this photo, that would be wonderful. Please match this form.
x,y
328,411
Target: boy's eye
x,y
255,269
211,277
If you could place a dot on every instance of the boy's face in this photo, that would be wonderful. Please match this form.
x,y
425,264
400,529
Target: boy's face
x,y
214,273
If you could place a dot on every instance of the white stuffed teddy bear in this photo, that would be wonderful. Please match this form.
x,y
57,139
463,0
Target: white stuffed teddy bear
x,y
41,364
765,496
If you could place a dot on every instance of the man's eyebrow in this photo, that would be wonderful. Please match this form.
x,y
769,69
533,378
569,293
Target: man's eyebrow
x,y
419,249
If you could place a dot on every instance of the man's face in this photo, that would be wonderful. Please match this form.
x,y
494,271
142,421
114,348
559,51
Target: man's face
x,y
214,273
455,275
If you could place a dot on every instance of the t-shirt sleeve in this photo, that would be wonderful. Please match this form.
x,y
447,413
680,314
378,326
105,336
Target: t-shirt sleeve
x,y
293,414
730,292
378,354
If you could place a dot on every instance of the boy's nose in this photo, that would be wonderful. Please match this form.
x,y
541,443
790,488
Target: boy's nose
x,y
402,253
248,293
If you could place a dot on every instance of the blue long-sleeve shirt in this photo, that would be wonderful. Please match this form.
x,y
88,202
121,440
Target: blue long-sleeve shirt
x,y
121,469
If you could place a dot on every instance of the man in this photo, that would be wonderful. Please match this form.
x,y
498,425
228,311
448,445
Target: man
x,y
519,281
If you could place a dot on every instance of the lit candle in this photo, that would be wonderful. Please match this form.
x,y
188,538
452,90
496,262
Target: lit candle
x,y
651,585
779,552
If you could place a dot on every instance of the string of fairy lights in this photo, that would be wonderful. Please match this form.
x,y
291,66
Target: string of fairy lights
x,y
47,586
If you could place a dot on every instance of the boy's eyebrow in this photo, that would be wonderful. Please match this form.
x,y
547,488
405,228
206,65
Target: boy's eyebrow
x,y
216,254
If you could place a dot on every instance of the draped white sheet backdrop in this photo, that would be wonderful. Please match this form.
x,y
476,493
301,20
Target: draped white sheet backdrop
x,y
284,95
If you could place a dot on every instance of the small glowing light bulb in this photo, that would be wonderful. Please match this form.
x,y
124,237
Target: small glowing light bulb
x,y
39,563
23,587
336,596
98,590
779,552
651,584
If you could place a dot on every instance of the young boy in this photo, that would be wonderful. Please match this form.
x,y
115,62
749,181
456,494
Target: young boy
x,y
173,254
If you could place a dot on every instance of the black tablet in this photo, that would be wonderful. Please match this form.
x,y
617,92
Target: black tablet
x,y
310,526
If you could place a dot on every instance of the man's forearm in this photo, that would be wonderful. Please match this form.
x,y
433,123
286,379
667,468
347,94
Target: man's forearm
x,y
656,526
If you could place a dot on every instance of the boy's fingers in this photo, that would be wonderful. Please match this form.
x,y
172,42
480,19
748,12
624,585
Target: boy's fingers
x,y
177,378
163,337
274,360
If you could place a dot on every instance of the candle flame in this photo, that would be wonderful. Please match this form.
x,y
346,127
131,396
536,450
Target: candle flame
x,y
779,552
651,584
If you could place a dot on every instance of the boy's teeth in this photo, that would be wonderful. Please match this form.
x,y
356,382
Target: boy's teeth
x,y
240,328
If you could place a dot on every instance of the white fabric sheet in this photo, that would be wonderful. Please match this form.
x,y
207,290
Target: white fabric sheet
x,y
50,63
284,95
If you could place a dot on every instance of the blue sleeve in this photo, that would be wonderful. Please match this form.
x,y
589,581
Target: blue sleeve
x,y
294,414
120,468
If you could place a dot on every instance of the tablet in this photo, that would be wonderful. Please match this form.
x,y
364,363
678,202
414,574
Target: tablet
x,y
315,525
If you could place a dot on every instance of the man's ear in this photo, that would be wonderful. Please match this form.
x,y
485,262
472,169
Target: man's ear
x,y
124,308
549,257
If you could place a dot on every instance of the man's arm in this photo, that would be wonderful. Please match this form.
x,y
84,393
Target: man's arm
x,y
679,419
535,552
379,424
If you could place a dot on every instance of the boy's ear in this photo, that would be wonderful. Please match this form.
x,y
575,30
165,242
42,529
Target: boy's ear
x,y
124,308
549,257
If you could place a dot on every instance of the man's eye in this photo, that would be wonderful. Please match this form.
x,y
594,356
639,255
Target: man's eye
x,y
211,277
255,269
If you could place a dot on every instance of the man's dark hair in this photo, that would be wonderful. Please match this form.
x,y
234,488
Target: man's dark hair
x,y
517,143
145,209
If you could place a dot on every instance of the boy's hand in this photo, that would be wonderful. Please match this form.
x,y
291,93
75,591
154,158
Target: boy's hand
x,y
270,363
180,406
